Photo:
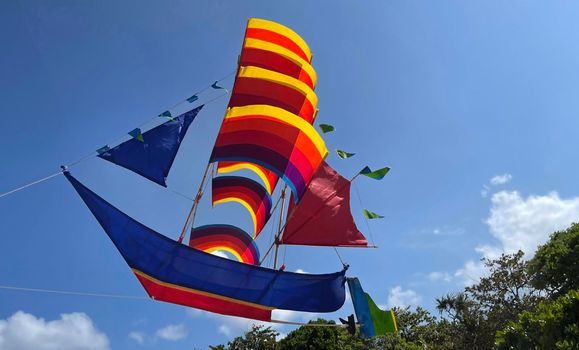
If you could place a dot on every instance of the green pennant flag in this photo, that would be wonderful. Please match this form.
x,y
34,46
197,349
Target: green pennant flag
x,y
376,174
344,154
192,98
371,215
165,114
136,134
326,128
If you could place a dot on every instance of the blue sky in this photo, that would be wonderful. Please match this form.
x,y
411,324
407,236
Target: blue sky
x,y
472,104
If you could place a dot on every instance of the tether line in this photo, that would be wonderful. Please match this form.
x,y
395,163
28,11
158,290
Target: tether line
x,y
65,292
93,153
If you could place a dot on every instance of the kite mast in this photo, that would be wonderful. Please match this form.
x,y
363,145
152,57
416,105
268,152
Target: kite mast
x,y
279,227
193,211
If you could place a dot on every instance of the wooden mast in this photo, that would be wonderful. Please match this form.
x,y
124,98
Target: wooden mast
x,y
279,227
193,211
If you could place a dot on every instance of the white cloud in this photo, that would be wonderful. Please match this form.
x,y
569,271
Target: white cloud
x,y
439,276
448,231
471,272
225,330
485,191
521,223
402,298
300,271
500,179
524,223
139,337
23,331
495,181
172,332
230,326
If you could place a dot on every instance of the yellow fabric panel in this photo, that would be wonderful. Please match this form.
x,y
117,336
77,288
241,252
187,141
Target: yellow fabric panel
x,y
282,79
246,205
282,51
249,166
283,30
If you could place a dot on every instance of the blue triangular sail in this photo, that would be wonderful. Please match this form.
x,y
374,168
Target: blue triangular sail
x,y
153,156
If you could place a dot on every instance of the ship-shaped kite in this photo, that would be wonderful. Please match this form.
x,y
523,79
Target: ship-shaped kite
x,y
267,129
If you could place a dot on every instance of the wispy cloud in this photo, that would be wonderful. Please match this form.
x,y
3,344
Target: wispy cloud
x,y
438,276
402,298
500,179
139,337
172,332
495,181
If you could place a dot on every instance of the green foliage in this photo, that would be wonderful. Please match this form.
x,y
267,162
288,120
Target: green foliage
x,y
476,314
555,266
553,325
258,338
321,338
518,305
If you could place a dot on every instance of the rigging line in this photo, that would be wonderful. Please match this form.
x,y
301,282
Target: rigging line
x,y
274,235
93,154
53,291
365,219
339,257
30,184
90,156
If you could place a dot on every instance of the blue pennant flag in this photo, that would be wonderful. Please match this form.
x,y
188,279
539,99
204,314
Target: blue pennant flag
x,y
103,149
151,154
215,86
166,114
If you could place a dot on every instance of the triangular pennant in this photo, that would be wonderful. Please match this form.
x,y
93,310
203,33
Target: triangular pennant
x,y
344,154
371,215
326,128
217,87
165,114
136,134
151,154
192,98
103,149
376,174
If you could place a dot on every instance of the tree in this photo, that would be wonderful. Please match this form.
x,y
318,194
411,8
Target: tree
x,y
321,338
476,314
555,266
258,338
554,325
422,329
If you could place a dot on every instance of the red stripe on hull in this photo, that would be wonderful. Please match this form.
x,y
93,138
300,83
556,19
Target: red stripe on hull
x,y
189,298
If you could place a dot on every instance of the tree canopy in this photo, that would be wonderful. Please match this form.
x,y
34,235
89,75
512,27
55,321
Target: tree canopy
x,y
520,304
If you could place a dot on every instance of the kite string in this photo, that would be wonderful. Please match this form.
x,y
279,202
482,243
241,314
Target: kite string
x,y
30,184
54,291
92,154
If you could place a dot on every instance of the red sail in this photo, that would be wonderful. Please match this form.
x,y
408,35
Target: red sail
x,y
323,217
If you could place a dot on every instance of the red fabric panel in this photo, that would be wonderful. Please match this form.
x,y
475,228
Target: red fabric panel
x,y
251,91
189,298
274,62
323,216
276,38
